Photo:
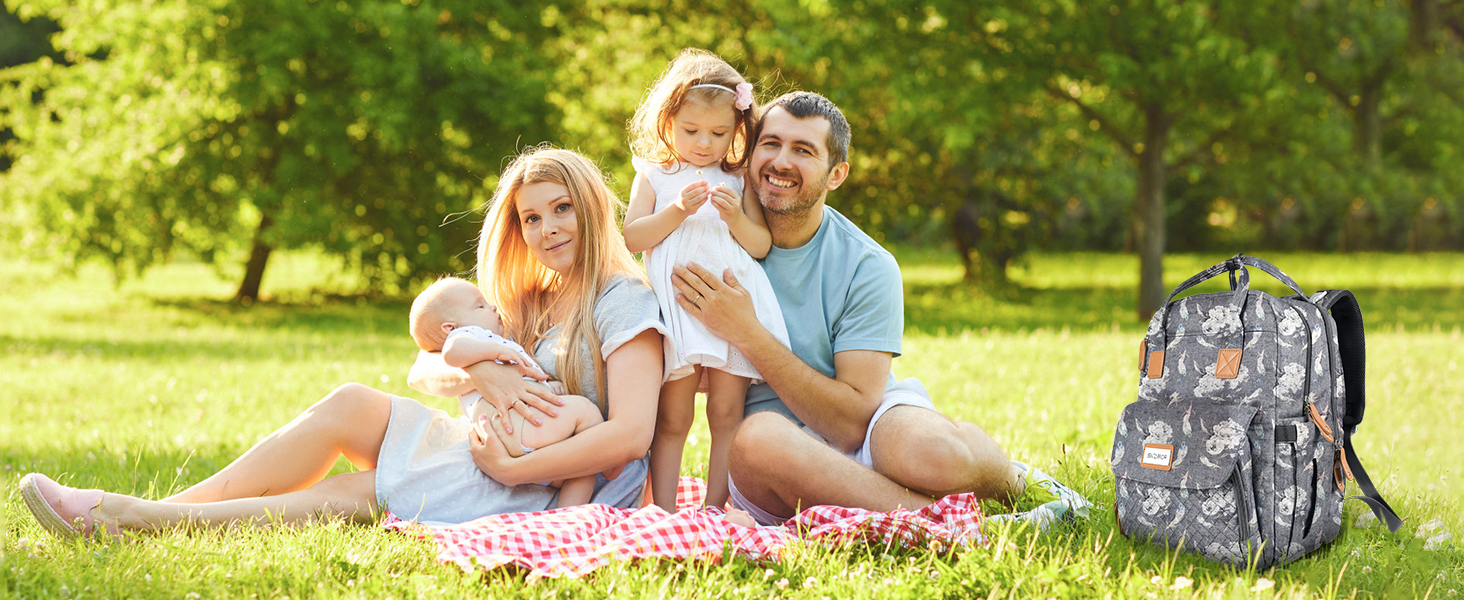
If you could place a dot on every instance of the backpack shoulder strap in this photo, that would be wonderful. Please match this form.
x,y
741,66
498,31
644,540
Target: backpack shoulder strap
x,y
1348,317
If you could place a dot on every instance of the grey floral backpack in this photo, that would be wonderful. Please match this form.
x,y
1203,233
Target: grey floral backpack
x,y
1239,447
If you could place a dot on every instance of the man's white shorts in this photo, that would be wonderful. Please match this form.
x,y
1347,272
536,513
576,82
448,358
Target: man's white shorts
x,y
907,392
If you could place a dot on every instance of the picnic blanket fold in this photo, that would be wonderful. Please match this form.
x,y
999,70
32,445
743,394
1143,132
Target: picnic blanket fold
x,y
573,541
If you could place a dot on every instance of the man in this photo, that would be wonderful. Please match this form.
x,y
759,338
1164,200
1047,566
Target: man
x,y
831,426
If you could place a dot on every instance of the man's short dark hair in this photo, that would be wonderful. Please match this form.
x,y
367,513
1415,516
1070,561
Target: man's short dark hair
x,y
808,104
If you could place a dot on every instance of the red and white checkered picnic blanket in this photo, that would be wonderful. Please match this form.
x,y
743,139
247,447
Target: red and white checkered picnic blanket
x,y
570,542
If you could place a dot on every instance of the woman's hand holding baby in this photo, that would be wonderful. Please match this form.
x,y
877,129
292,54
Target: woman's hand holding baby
x,y
503,387
489,454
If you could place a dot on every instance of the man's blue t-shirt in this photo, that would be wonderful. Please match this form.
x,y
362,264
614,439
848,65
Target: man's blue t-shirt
x,y
840,291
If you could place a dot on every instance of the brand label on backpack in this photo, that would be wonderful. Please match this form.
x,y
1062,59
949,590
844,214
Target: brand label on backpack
x,y
1157,456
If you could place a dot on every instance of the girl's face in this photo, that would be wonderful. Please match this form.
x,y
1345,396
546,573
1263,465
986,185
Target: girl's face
x,y
547,217
702,133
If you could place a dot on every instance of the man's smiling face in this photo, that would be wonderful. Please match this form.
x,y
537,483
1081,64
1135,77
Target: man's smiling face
x,y
790,162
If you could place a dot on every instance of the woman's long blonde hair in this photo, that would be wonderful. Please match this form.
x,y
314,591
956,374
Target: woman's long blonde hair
x,y
650,128
526,291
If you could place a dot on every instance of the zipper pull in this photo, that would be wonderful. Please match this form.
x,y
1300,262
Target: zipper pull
x,y
1346,468
1316,417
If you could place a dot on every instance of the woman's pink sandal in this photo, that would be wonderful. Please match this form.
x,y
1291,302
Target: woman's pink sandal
x,y
64,511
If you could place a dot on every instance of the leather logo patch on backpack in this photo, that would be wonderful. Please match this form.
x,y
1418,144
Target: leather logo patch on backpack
x,y
1156,364
1157,456
1227,364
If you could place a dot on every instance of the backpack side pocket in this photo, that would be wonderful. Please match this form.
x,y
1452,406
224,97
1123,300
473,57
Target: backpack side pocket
x,y
1185,480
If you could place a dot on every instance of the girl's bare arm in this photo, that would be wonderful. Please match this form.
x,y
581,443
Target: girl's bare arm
x,y
645,228
744,217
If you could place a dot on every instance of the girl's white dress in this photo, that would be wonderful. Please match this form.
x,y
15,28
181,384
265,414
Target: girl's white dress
x,y
703,238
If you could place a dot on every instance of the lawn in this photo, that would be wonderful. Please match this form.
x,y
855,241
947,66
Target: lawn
x,y
149,386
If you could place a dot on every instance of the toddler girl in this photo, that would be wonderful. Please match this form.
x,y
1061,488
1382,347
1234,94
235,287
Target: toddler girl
x,y
688,205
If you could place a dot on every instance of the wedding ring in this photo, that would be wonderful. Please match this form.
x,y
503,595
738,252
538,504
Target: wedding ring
x,y
698,298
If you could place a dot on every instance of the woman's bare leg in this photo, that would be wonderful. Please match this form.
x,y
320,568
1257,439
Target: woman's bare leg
x,y
726,397
350,420
673,422
348,495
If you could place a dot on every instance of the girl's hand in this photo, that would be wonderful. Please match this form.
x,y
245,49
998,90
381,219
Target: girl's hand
x,y
693,196
728,203
503,387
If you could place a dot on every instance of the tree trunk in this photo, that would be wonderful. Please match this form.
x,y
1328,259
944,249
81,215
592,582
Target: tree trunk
x,y
254,269
1367,125
1149,211
1423,18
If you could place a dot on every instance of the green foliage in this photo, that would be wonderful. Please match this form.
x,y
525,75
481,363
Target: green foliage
x,y
356,128
353,128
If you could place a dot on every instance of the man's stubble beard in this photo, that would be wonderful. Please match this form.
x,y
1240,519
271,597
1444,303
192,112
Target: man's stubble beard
x,y
797,206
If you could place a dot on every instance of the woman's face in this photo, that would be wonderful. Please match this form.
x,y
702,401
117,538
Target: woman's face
x,y
547,218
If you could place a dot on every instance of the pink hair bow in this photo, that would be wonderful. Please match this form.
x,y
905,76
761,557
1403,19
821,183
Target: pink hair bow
x,y
744,96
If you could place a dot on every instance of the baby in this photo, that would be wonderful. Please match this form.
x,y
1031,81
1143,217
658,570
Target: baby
x,y
451,316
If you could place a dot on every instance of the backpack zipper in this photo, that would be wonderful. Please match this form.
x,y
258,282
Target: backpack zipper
x,y
1311,407
1311,507
1306,339
1243,509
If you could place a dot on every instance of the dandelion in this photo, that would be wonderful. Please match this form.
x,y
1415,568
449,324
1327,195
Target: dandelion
x,y
147,577
1157,580
1181,582
810,582
782,583
1262,584
766,574
191,596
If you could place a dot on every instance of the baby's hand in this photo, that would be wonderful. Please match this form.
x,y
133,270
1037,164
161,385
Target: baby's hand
x,y
693,196
557,387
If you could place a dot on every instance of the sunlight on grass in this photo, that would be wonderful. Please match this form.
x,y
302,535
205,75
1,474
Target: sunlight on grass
x,y
151,386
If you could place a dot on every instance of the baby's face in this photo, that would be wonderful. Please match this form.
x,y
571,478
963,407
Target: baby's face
x,y
464,305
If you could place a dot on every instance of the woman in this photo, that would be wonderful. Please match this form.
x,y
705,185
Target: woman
x,y
552,258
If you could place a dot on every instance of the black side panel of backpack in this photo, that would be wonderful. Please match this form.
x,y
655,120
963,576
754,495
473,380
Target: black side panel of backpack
x,y
1348,317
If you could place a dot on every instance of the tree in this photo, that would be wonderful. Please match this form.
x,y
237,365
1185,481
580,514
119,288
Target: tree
x,y
353,127
1162,80
21,42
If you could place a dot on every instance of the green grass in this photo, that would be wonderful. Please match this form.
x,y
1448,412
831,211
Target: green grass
x,y
150,386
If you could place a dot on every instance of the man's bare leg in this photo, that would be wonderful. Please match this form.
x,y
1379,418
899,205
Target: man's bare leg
x,y
925,451
351,420
781,469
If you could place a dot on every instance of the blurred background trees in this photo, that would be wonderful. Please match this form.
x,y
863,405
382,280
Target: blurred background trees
x,y
227,129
